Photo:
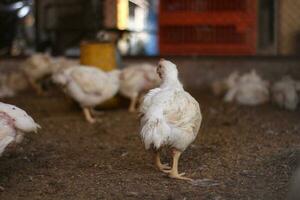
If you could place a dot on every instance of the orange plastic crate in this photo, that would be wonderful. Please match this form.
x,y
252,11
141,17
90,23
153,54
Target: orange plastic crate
x,y
204,5
207,27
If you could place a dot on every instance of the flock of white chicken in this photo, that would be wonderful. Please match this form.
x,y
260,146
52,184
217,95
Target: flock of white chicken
x,y
250,89
170,117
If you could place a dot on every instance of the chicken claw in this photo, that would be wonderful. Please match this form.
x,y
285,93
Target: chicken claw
x,y
160,165
88,116
173,173
167,171
96,112
179,176
133,102
163,167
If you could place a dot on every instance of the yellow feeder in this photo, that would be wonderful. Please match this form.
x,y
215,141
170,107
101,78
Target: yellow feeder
x,y
99,54
102,55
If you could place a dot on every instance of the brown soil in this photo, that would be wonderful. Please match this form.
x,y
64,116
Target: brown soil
x,y
240,153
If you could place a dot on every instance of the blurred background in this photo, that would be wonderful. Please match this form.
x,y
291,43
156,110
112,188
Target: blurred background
x,y
151,27
225,51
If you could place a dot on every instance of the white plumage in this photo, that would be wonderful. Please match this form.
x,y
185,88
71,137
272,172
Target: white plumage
x,y
12,83
250,89
219,88
138,79
40,66
37,66
14,123
170,117
59,64
284,93
89,86
5,90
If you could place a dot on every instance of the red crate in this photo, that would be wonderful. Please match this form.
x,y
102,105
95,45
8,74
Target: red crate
x,y
204,5
207,27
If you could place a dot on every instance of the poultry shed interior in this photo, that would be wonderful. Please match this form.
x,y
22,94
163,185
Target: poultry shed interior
x,y
149,99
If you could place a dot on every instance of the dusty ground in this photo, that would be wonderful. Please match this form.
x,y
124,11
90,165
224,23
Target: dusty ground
x,y
240,153
246,153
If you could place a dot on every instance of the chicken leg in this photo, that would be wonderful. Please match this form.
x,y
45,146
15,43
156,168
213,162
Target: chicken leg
x,y
88,116
133,101
95,112
158,163
173,173
36,87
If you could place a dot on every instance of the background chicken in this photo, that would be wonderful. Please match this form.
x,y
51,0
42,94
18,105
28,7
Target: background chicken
x,y
137,79
14,122
40,66
250,89
219,88
61,63
13,83
5,90
284,93
89,86
170,117
35,68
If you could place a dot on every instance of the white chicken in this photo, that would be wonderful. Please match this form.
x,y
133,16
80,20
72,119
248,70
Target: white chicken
x,y
59,64
250,89
12,83
136,80
35,68
284,93
39,66
5,90
170,117
89,86
219,88
14,122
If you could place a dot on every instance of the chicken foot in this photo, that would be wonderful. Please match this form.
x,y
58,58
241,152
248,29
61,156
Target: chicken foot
x,y
173,172
88,116
158,163
96,112
36,87
133,102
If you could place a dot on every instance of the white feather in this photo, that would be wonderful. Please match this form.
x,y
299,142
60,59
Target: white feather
x,y
22,120
250,89
136,79
170,116
221,87
14,123
284,93
89,86
37,66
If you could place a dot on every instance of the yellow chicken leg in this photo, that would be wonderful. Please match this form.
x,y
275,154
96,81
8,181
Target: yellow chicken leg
x,y
96,112
158,163
88,116
133,101
173,173
37,88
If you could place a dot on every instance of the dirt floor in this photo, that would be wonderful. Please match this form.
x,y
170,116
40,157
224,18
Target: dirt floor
x,y
240,153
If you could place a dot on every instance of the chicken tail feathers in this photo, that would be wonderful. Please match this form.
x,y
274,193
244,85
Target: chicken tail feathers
x,y
155,132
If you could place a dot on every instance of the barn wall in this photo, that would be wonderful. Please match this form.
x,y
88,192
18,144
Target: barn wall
x,y
199,72
289,27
